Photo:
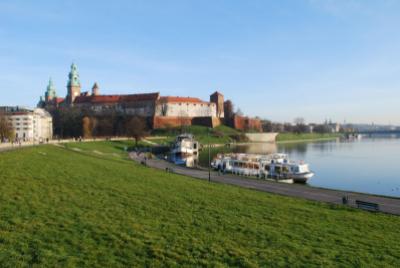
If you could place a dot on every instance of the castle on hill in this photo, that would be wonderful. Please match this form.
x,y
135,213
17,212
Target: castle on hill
x,y
160,111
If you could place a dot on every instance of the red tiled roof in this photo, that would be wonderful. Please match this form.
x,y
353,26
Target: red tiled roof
x,y
59,100
117,98
182,99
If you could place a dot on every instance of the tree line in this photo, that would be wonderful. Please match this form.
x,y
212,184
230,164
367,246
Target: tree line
x,y
76,122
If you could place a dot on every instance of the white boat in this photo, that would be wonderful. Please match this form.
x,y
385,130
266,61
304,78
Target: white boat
x,y
185,150
273,166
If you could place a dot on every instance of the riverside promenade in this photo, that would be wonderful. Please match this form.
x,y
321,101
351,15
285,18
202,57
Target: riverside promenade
x,y
386,204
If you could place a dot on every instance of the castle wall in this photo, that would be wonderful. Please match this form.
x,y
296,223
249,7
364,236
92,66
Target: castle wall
x,y
138,108
187,109
176,121
246,123
170,121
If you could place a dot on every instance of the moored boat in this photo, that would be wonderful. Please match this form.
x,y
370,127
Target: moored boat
x,y
185,150
273,166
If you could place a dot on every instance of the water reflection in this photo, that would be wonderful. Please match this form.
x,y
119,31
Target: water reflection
x,y
185,160
367,165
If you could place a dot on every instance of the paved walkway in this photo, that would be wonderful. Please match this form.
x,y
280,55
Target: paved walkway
x,y
386,204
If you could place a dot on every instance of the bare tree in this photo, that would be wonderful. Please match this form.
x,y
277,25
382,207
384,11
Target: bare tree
x,y
136,128
6,130
300,125
88,125
184,121
239,112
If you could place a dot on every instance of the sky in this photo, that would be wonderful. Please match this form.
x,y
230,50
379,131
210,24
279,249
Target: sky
x,y
279,60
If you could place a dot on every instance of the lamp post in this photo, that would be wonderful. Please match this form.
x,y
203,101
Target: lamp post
x,y
209,155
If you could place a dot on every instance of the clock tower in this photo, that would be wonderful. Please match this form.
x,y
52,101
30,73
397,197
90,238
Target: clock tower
x,y
74,85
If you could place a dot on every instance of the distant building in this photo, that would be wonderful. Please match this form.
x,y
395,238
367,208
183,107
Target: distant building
x,y
161,111
334,127
30,125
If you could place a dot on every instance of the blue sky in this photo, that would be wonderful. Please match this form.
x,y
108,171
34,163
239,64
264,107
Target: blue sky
x,y
317,59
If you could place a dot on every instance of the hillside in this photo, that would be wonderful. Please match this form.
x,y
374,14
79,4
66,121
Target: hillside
x,y
89,205
219,135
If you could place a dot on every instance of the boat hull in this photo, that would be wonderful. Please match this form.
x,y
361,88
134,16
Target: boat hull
x,y
303,177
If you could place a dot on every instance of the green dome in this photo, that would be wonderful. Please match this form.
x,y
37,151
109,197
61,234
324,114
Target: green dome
x,y
51,90
73,76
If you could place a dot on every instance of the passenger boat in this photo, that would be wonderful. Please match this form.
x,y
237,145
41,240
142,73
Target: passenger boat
x,y
273,166
184,150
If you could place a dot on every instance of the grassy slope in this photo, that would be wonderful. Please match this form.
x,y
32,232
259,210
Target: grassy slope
x,y
64,207
201,133
304,136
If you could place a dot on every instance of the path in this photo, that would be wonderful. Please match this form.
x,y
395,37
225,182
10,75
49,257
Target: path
x,y
386,204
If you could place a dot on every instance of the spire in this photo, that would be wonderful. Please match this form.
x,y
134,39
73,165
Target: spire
x,y
50,91
95,89
73,76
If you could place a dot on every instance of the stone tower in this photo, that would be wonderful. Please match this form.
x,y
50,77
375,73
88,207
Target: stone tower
x,y
50,92
95,89
74,85
218,99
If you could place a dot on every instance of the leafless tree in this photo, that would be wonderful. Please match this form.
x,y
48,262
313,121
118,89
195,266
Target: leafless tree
x,y
300,126
136,128
6,130
88,124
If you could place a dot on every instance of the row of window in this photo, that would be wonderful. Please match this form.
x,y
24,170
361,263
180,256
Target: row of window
x,y
25,124
195,104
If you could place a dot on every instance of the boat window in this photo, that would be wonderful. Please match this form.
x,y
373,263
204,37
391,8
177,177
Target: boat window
x,y
277,169
285,169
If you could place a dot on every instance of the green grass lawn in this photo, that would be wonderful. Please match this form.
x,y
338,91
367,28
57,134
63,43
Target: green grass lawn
x,y
305,136
76,207
218,135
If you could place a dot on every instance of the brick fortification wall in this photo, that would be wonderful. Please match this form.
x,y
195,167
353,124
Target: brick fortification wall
x,y
246,123
176,121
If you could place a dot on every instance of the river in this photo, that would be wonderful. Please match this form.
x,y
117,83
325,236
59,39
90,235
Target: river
x,y
368,165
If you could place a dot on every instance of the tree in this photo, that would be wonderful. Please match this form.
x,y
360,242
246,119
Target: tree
x,y
183,121
136,128
239,112
322,128
300,126
6,130
267,126
88,124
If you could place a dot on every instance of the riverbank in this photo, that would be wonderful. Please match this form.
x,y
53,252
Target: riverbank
x,y
387,204
88,204
305,137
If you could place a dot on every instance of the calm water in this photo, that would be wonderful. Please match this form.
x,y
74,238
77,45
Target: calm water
x,y
370,165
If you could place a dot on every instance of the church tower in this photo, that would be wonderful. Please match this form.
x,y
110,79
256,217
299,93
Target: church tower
x,y
95,89
50,92
74,85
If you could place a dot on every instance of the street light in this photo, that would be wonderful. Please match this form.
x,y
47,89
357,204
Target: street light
x,y
209,155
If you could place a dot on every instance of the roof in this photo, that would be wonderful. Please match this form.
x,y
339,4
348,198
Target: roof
x,y
182,99
59,100
117,98
217,93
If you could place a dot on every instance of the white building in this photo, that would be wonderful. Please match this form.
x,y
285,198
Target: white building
x,y
185,107
31,125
